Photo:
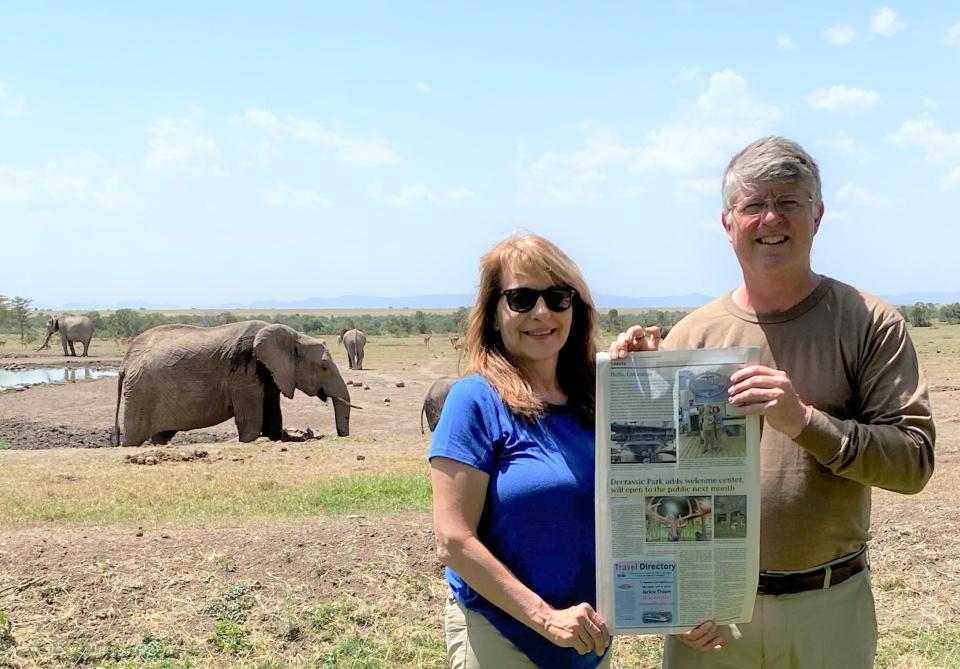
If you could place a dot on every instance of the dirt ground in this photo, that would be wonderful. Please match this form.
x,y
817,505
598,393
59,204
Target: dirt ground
x,y
81,414
124,579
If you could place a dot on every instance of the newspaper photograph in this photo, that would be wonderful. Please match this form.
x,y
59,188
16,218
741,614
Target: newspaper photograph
x,y
677,492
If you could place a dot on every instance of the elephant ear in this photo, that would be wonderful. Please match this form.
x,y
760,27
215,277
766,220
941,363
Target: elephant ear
x,y
276,347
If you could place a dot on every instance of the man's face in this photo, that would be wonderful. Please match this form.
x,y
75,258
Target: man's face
x,y
771,227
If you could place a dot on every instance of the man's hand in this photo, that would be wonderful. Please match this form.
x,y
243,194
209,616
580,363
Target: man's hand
x,y
769,393
703,637
578,627
636,338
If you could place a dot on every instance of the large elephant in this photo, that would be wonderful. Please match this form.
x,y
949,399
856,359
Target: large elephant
x,y
354,341
72,329
434,399
182,377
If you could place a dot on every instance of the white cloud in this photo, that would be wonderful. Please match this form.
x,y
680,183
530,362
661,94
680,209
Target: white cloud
x,y
178,145
844,144
784,43
83,178
930,103
727,118
953,36
423,87
10,105
839,34
887,22
263,156
285,195
843,98
940,147
406,196
857,196
370,151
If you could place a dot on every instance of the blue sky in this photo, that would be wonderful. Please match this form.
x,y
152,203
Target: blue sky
x,y
234,152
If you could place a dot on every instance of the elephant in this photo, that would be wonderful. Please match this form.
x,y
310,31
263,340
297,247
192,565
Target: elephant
x,y
182,377
354,341
434,399
72,329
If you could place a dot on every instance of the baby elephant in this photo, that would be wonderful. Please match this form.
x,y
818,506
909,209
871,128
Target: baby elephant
x,y
434,399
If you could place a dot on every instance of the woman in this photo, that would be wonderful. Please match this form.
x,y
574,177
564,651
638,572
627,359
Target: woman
x,y
512,467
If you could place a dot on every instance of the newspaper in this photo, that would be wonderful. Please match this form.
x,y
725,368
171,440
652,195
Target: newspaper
x,y
678,493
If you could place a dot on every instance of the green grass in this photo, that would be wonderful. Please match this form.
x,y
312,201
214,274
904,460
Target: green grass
x,y
5,445
356,495
150,653
938,644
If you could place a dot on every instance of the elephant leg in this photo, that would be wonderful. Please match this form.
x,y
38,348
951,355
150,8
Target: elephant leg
x,y
162,438
86,345
272,426
248,415
73,351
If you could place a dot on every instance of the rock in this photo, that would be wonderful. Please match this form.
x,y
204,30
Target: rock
x,y
361,457
366,387
400,384
386,400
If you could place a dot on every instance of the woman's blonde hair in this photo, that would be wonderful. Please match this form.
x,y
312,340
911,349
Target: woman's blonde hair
x,y
576,367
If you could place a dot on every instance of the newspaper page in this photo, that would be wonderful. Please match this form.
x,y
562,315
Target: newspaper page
x,y
677,492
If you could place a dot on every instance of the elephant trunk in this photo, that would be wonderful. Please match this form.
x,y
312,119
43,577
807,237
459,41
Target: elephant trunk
x,y
340,399
46,342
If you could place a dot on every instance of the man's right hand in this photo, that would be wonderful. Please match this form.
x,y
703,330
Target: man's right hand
x,y
636,338
704,637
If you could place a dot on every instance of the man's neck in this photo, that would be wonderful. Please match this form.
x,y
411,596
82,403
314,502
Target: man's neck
x,y
763,296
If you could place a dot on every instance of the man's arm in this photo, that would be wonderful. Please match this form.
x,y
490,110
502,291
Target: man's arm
x,y
890,442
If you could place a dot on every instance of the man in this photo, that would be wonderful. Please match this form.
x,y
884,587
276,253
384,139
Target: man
x,y
844,406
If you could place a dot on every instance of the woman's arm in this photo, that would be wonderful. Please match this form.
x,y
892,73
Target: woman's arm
x,y
459,493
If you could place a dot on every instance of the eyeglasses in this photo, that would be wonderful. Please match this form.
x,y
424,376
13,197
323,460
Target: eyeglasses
x,y
522,300
754,207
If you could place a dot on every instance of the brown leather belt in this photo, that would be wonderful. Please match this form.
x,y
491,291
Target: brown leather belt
x,y
817,579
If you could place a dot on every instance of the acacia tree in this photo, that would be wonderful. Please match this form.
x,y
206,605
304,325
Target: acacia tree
x,y
20,308
4,310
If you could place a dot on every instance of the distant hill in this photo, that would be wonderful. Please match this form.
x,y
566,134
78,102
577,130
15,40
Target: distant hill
x,y
454,300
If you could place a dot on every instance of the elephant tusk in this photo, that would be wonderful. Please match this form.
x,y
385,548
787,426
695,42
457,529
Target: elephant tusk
x,y
343,401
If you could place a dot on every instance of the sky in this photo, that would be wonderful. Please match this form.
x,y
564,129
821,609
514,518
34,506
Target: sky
x,y
198,154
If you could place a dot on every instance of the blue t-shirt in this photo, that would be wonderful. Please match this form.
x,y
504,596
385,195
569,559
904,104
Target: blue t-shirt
x,y
538,518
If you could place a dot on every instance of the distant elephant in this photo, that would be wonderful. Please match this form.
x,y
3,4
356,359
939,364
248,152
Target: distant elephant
x,y
183,377
434,399
72,329
354,341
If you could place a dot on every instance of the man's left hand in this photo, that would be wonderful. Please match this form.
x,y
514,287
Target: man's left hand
x,y
769,393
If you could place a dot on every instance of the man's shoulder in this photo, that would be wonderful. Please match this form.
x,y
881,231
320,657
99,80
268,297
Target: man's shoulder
x,y
851,300
696,321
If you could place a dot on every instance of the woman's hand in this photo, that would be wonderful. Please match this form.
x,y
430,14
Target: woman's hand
x,y
579,627
636,338
703,637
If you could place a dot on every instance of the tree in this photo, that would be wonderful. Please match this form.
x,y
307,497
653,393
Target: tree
x,y
921,315
4,310
950,313
20,307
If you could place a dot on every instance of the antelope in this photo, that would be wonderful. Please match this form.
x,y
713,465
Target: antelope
x,y
679,511
426,340
2,344
460,346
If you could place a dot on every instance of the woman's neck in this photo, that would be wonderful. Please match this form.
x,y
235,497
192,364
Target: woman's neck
x,y
545,383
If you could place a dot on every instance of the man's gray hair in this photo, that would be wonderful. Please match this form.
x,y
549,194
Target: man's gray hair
x,y
771,160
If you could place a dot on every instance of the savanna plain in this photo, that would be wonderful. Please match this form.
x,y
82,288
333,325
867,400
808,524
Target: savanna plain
x,y
208,553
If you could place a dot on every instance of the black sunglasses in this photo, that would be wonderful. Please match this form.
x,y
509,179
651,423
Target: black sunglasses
x,y
522,300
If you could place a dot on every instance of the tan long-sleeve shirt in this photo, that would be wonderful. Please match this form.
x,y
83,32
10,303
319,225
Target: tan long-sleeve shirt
x,y
848,355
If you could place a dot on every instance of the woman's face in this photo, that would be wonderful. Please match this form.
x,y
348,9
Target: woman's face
x,y
533,338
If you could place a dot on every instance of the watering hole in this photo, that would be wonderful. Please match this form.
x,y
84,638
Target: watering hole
x,y
33,375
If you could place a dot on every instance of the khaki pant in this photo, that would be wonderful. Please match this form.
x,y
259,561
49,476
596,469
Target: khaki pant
x,y
473,643
817,629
